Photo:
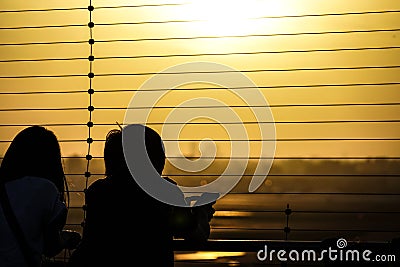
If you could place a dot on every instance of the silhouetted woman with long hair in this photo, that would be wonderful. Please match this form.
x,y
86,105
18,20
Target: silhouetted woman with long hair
x,y
32,181
124,225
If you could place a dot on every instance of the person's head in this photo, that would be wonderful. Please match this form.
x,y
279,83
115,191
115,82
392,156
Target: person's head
x,y
34,151
114,158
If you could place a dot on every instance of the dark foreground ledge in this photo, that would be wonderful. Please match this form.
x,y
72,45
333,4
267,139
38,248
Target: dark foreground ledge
x,y
256,245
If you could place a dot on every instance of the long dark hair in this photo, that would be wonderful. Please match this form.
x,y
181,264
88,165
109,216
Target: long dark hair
x,y
35,151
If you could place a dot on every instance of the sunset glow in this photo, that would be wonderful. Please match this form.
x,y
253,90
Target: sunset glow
x,y
231,17
324,74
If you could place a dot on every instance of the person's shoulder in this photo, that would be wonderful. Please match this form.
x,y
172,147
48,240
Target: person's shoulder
x,y
97,190
40,183
38,189
99,185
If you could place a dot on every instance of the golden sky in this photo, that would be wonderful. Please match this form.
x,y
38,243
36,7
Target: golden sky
x,y
280,47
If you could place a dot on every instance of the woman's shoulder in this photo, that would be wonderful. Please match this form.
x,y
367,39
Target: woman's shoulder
x,y
102,184
39,184
38,193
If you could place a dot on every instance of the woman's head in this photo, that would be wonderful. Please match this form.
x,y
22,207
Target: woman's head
x,y
114,154
34,151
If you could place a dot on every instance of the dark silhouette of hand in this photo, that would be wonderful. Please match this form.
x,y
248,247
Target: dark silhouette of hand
x,y
70,239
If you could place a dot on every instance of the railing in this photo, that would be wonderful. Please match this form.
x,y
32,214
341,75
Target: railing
x,y
330,75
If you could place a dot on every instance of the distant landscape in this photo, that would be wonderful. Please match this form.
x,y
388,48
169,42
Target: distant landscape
x,y
355,199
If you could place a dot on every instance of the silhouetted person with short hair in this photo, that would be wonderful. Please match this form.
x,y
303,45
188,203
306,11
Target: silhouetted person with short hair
x,y
32,194
124,225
